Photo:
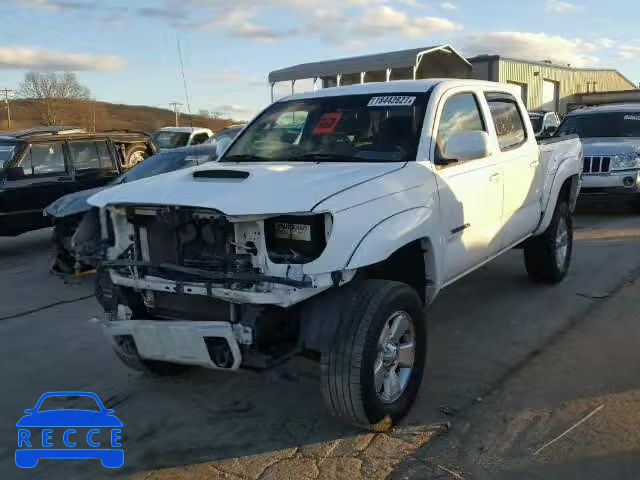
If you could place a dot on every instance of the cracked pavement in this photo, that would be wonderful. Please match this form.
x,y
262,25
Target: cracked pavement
x,y
248,425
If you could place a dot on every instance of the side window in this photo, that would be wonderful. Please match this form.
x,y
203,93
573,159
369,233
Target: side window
x,y
43,159
85,156
106,162
460,113
199,138
507,120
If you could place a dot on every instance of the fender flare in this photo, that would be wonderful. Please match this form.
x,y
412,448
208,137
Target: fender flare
x,y
389,235
556,187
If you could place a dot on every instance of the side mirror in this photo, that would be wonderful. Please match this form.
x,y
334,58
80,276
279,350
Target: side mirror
x,y
549,131
15,173
221,146
467,145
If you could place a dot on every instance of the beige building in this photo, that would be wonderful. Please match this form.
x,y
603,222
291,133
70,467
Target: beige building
x,y
543,85
547,86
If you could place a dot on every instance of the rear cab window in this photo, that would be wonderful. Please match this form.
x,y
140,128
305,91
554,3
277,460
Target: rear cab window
x,y
507,120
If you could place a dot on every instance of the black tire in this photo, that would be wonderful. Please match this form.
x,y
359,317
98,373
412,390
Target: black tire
x,y
540,252
347,364
126,351
138,151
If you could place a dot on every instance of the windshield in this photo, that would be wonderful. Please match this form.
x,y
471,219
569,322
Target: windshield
x,y
350,128
612,124
536,122
6,153
171,139
163,163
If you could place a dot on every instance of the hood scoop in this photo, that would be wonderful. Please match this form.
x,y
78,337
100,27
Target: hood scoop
x,y
221,174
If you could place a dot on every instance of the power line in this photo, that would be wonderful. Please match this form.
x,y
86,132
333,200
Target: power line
x,y
6,92
184,82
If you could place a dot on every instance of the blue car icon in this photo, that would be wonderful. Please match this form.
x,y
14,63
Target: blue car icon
x,y
31,448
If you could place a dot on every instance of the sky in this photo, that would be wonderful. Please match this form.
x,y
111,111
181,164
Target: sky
x,y
126,51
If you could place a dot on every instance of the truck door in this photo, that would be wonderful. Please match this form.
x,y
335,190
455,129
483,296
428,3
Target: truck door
x,y
470,191
41,177
520,163
93,163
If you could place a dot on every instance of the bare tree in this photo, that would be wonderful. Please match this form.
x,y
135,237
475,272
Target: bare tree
x,y
54,94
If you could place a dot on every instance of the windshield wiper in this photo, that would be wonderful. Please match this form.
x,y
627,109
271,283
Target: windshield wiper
x,y
245,158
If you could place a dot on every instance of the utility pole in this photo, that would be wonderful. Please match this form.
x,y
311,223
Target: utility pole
x,y
6,92
176,109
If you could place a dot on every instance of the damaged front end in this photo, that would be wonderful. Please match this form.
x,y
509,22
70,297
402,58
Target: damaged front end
x,y
191,285
77,244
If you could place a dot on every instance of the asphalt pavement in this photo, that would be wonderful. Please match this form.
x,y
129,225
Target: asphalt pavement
x,y
207,424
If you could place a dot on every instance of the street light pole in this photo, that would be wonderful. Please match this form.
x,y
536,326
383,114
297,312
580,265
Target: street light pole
x,y
6,92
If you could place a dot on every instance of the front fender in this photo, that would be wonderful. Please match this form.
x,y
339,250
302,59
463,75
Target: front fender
x,y
560,178
391,234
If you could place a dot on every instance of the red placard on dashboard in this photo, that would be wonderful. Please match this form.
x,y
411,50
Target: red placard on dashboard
x,y
327,123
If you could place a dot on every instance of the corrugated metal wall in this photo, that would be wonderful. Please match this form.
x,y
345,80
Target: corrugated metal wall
x,y
570,81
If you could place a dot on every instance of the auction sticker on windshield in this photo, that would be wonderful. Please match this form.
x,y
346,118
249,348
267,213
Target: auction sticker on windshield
x,y
293,231
395,101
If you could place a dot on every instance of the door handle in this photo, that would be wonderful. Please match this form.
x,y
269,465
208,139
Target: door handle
x,y
65,179
495,177
534,163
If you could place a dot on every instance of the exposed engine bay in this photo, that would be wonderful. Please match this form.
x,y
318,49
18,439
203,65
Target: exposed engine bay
x,y
198,249
230,275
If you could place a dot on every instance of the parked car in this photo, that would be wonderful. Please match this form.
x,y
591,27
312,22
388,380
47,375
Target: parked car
x,y
39,166
544,123
611,138
332,241
174,137
67,212
228,133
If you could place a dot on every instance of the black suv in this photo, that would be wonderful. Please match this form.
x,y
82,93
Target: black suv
x,y
40,165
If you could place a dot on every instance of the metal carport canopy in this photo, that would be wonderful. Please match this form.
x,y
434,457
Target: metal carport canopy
x,y
365,63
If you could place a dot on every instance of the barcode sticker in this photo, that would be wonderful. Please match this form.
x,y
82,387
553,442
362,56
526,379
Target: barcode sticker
x,y
396,101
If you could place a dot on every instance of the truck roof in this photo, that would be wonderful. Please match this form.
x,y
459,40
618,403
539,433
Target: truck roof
x,y
184,129
400,86
613,107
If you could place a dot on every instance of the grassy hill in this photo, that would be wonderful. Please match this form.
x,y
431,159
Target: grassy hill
x,y
108,116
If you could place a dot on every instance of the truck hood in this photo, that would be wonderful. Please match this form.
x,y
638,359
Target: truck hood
x,y
248,189
71,204
610,145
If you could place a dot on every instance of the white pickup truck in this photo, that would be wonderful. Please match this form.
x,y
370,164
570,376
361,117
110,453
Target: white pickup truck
x,y
331,221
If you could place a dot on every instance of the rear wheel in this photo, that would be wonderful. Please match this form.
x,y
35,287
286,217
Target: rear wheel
x,y
547,256
372,370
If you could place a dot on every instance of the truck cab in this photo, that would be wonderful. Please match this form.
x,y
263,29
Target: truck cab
x,y
333,240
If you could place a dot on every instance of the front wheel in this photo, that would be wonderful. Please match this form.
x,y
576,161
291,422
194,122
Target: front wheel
x,y
547,256
372,370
